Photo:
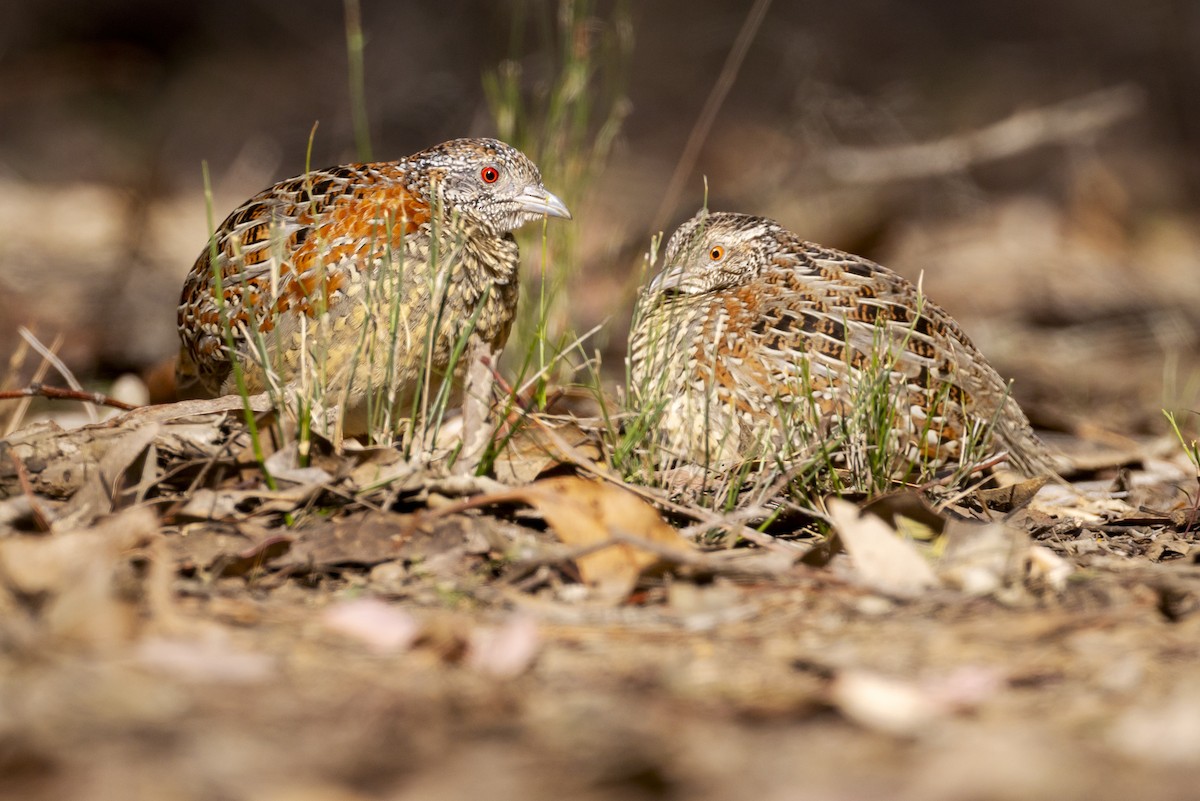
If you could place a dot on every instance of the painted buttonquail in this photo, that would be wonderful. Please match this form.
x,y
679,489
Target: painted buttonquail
x,y
362,277
757,344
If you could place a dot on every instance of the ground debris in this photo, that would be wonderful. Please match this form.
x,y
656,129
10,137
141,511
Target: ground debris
x,y
172,589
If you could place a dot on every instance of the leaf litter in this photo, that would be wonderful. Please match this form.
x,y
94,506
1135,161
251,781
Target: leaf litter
x,y
389,604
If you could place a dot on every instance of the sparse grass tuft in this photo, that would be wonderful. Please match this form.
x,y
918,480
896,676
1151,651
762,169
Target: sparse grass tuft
x,y
1190,445
227,329
565,114
818,434
1191,448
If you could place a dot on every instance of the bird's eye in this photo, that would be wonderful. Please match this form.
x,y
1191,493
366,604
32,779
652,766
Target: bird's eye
x,y
717,253
489,175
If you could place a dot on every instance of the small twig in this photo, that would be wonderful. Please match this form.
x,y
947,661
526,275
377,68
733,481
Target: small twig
x,y
667,553
524,404
50,356
10,421
949,480
730,520
474,502
1193,515
59,393
579,340
1018,133
714,520
18,416
39,514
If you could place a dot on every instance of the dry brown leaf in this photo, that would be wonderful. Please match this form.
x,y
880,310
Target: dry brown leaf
x,y
192,437
1012,497
589,513
363,539
127,462
883,560
542,445
379,467
284,464
372,538
201,545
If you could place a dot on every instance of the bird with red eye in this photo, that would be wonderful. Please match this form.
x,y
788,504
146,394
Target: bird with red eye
x,y
315,271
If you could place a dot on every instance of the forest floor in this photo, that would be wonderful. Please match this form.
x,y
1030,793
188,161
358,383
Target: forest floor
x,y
172,629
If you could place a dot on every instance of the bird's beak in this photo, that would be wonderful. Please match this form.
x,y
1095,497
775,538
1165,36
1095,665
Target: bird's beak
x,y
667,280
536,200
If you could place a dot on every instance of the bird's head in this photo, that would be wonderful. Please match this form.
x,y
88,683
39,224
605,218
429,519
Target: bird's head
x,y
490,183
716,250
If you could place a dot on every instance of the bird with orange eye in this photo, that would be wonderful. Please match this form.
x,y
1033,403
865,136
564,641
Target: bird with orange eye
x,y
757,344
712,259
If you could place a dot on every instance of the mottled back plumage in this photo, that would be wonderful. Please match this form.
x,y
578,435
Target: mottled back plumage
x,y
756,344
345,275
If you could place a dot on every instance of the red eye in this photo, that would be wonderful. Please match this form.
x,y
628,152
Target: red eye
x,y
489,175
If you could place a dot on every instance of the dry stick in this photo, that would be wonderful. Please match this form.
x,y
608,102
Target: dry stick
x,y
19,415
1194,515
15,361
49,355
999,458
578,343
732,521
708,114
1020,132
58,393
680,556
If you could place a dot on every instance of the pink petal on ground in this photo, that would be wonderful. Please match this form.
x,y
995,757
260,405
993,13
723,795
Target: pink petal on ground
x,y
382,627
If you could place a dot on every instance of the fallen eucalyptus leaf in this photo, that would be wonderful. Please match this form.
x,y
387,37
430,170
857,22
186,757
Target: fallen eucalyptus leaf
x,y
590,513
883,560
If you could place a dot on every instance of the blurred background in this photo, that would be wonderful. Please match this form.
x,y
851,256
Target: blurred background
x,y
1036,163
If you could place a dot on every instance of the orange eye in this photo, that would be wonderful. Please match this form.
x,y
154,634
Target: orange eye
x,y
717,253
489,175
